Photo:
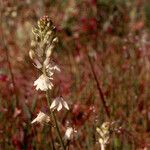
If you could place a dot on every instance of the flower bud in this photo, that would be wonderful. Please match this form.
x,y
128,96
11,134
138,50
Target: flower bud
x,y
55,40
49,51
46,62
44,22
33,44
32,54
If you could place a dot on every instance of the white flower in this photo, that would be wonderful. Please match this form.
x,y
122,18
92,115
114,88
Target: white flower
x,y
58,103
51,67
69,133
43,83
41,118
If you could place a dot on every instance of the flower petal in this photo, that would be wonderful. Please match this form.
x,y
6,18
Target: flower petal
x,y
65,104
59,107
34,121
43,83
37,64
54,104
41,118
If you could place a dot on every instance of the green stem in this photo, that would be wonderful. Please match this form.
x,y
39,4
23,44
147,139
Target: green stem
x,y
55,121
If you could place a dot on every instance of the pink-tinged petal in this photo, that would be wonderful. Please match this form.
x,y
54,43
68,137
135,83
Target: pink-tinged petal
x,y
38,64
35,83
37,88
56,68
33,121
43,83
59,106
41,118
54,104
65,104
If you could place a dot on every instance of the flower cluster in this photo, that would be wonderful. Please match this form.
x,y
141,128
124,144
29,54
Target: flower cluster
x,y
42,45
58,103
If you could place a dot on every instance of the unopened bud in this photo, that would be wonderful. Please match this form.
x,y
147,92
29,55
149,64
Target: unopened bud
x,y
33,43
32,54
49,32
55,40
49,51
46,62
35,31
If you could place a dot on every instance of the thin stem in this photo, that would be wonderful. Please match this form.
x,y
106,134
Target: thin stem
x,y
102,147
7,57
12,76
55,122
8,60
52,140
99,88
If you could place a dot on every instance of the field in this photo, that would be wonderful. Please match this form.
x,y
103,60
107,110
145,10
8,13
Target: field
x,y
84,66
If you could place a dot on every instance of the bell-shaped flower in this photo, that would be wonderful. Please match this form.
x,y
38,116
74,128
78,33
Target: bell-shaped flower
x,y
43,83
50,67
58,103
41,118
69,133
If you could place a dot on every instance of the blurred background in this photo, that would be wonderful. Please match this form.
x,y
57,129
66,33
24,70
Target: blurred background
x,y
103,53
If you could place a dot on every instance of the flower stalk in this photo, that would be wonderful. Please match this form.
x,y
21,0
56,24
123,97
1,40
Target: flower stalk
x,y
99,89
42,47
55,121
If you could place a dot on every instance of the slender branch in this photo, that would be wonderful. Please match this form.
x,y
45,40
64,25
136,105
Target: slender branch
x,y
7,54
52,140
12,75
99,88
10,67
55,121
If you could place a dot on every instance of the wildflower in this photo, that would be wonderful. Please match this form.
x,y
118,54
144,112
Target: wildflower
x,y
43,83
41,118
58,103
50,66
104,132
44,39
69,133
